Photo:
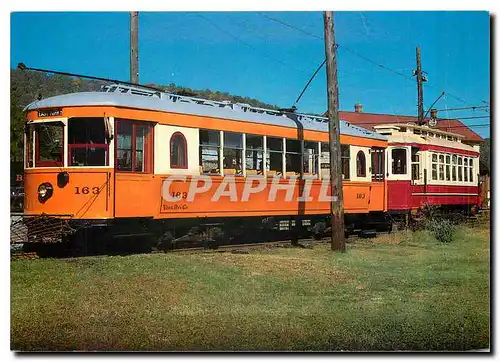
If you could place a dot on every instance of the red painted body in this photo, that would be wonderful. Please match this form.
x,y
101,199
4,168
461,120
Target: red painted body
x,y
430,147
402,195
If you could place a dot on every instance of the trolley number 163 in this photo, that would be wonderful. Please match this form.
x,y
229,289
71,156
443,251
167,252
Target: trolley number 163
x,y
87,190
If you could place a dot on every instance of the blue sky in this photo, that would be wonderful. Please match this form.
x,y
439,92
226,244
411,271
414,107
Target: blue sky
x,y
245,53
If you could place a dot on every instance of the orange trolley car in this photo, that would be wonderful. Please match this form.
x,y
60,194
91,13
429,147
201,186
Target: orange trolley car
x,y
129,161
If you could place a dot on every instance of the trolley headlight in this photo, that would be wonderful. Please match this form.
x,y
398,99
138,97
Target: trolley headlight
x,y
45,191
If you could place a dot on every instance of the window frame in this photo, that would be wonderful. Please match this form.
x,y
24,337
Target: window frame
x,y
459,169
360,172
307,145
270,152
240,150
434,166
377,157
249,152
415,165
148,145
466,169
454,162
471,169
184,142
345,159
72,146
218,147
405,166
447,159
38,162
291,154
441,167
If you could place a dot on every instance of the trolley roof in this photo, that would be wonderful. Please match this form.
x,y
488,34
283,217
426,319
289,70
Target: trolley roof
x,y
125,96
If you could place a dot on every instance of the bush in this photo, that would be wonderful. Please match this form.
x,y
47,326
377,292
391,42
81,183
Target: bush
x,y
442,229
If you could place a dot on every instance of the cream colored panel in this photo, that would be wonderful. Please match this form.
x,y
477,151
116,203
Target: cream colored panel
x,y
163,133
392,176
353,166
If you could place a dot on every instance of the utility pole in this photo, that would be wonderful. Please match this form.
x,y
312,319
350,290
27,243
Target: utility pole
x,y
134,47
420,89
337,206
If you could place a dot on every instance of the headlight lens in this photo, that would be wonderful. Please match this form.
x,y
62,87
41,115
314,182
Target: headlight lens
x,y
45,191
42,190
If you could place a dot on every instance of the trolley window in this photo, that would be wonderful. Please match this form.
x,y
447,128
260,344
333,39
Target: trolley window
x,y
448,159
209,151
87,143
471,170
466,169
293,156
360,164
233,153
134,147
178,151
254,154
434,166
377,163
441,167
345,153
310,158
274,155
325,160
415,163
49,144
454,167
399,161
460,169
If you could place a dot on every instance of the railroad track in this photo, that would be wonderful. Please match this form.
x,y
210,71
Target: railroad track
x,y
23,255
248,246
233,248
18,254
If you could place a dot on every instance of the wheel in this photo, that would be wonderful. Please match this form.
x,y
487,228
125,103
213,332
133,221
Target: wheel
x,y
165,242
318,230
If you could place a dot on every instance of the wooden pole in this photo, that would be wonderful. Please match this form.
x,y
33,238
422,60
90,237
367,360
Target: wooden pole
x,y
134,47
337,207
420,90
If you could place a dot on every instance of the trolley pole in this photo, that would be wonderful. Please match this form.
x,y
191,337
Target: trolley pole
x,y
420,90
134,47
337,206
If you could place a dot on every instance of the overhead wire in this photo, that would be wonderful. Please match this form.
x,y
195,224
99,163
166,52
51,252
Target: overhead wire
x,y
345,48
462,108
244,42
359,55
406,122
474,117
290,26
238,39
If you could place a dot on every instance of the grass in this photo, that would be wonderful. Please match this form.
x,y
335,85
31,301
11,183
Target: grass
x,y
395,292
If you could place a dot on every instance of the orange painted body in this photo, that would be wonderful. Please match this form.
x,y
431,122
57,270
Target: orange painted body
x,y
132,195
122,195
358,196
72,200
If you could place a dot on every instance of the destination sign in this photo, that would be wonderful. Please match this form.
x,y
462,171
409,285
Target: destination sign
x,y
49,112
